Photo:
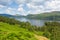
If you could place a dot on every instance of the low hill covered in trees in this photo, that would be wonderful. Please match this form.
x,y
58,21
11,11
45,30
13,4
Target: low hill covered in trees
x,y
45,16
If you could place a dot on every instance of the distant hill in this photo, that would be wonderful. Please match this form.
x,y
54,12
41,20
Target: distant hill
x,y
45,16
6,15
13,16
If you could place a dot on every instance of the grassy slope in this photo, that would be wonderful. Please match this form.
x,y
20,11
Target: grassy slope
x,y
14,32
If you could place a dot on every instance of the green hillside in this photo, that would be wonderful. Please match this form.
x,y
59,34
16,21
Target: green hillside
x,y
14,32
11,29
45,16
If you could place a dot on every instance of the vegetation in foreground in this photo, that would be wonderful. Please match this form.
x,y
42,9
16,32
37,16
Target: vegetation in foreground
x,y
11,29
14,32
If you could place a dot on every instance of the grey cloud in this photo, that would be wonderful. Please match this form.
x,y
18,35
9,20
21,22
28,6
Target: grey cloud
x,y
5,2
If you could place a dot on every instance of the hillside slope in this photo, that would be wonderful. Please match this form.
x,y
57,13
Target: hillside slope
x,y
14,32
45,16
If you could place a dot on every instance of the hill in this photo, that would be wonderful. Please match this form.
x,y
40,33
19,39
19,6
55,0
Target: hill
x,y
11,16
11,29
45,16
14,32
6,15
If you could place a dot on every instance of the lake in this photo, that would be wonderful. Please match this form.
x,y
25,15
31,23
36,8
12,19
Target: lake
x,y
35,22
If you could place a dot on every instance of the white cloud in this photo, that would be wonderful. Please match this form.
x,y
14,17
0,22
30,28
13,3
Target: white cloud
x,y
34,6
5,0
31,6
34,9
49,5
37,2
8,11
20,1
11,11
21,10
54,5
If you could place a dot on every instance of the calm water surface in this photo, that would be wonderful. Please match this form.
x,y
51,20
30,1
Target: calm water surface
x,y
35,22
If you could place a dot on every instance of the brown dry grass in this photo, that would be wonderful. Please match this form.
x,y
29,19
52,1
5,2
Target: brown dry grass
x,y
40,37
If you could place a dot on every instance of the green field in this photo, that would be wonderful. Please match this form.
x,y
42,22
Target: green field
x,y
14,32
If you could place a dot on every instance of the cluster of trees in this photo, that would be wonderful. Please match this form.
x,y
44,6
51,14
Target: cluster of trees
x,y
54,29
12,21
8,20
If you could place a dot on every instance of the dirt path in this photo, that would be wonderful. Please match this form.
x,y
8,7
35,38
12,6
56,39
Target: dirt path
x,y
40,37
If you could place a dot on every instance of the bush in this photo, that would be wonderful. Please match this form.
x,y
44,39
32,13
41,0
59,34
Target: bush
x,y
47,34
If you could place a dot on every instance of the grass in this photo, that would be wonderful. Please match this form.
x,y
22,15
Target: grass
x,y
14,32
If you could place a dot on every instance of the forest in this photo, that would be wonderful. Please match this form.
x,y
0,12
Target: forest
x,y
11,29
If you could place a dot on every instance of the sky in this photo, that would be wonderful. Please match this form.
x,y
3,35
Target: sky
x,y
24,7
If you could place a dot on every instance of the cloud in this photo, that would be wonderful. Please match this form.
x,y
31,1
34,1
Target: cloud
x,y
1,6
21,10
30,6
53,5
5,2
20,1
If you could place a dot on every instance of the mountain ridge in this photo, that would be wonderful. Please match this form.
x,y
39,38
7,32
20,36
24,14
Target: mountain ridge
x,y
45,16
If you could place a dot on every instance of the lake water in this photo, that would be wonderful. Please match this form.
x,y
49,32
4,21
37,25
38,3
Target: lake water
x,y
35,22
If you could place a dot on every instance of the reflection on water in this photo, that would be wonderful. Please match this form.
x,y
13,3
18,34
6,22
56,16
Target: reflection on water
x,y
22,19
35,22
